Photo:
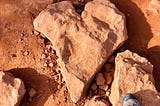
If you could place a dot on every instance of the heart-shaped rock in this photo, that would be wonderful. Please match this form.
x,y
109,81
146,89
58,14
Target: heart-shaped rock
x,y
83,43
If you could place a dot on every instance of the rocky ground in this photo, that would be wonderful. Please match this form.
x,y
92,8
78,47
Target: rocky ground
x,y
30,56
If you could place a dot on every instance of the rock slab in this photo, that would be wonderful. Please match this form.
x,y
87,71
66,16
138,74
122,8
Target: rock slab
x,y
133,74
12,89
82,43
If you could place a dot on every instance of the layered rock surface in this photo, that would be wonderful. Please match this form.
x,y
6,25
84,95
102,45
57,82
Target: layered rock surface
x,y
82,43
133,74
11,89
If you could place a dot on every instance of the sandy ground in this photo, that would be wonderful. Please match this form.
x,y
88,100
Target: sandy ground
x,y
21,48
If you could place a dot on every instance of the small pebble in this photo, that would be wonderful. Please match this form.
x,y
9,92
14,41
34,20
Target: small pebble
x,y
48,46
32,92
107,67
45,64
58,103
13,55
65,99
101,92
25,53
94,86
50,64
46,51
36,32
100,79
108,78
43,56
59,86
111,59
104,87
107,93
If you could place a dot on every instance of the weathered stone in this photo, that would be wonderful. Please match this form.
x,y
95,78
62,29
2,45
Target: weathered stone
x,y
94,86
11,89
133,74
95,101
104,87
108,93
107,68
108,77
100,79
101,92
83,43
111,59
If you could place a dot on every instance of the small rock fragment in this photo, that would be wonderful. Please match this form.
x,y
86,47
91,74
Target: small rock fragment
x,y
45,64
36,32
100,79
108,93
32,93
48,46
43,56
96,101
12,89
51,64
111,59
107,68
25,53
108,78
94,86
104,87
101,92
59,86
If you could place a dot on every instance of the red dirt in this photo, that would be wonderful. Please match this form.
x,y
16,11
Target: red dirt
x,y
17,38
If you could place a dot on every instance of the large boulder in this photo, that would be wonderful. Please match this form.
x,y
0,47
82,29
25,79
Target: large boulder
x,y
133,74
82,43
11,89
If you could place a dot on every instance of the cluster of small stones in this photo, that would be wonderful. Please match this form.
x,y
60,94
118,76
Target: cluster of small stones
x,y
101,85
48,59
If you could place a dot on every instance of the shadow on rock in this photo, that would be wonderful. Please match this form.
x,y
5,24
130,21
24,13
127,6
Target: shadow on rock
x,y
148,98
153,55
43,86
139,34
139,30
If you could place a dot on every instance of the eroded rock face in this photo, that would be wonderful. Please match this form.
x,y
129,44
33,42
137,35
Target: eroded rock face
x,y
83,43
133,74
11,90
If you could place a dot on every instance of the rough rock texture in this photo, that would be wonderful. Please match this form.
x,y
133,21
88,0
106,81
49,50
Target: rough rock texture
x,y
133,74
100,79
95,101
154,6
82,43
11,89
